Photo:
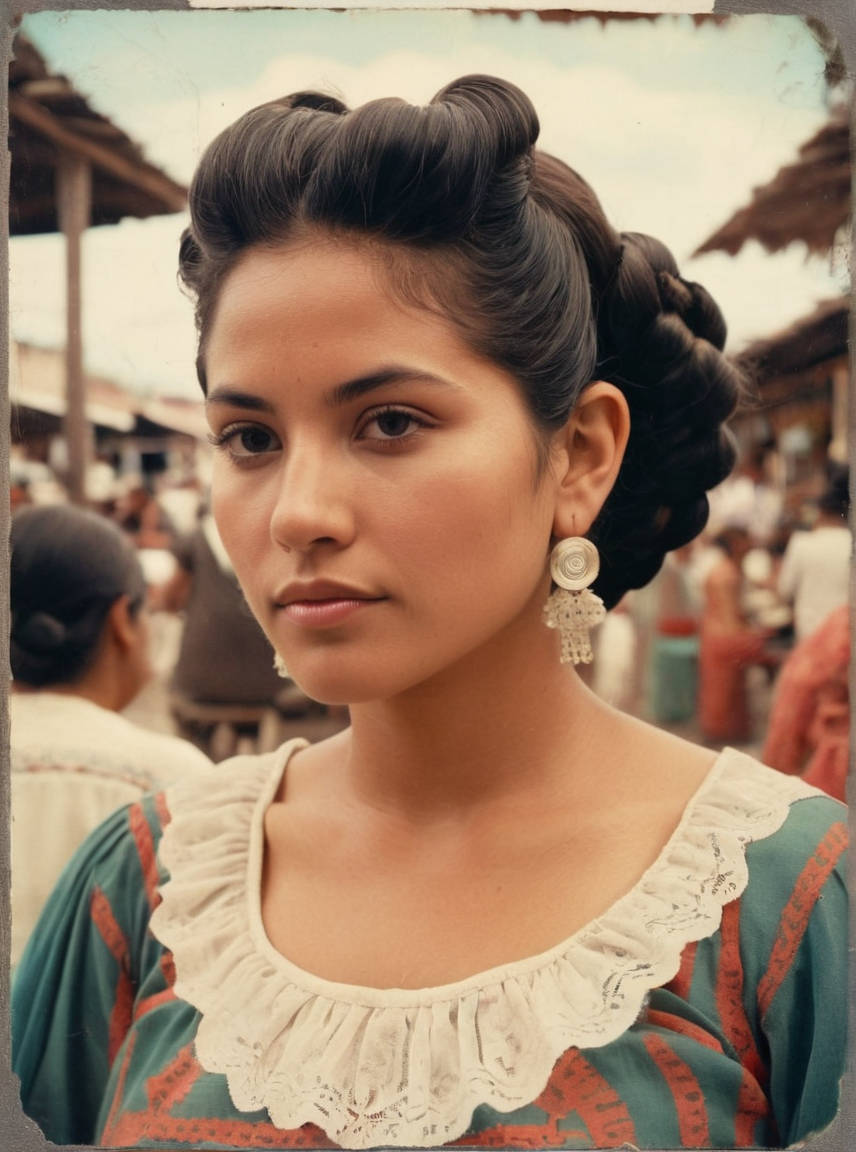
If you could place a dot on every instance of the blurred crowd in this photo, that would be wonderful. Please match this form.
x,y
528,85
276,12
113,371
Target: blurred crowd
x,y
743,636
741,639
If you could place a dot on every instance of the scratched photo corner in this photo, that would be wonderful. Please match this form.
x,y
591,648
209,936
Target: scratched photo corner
x,y
347,349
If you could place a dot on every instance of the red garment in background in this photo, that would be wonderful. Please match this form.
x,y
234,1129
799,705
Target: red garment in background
x,y
724,658
809,731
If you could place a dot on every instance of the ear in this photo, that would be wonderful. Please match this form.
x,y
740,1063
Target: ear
x,y
587,454
122,623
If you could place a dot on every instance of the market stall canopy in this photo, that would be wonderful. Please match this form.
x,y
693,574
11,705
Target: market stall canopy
x,y
73,168
811,340
807,200
49,118
37,385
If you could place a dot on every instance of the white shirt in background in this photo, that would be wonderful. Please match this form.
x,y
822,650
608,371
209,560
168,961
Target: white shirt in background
x,y
73,763
815,575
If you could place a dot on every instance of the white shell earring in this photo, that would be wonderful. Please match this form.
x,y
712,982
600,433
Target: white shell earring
x,y
572,608
279,665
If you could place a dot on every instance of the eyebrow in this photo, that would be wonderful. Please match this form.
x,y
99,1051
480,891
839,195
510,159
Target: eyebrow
x,y
237,399
353,389
341,394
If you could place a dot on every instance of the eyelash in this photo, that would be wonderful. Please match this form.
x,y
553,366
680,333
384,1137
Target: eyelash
x,y
224,439
421,422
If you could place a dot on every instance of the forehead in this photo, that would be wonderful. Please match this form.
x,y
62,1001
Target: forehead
x,y
318,296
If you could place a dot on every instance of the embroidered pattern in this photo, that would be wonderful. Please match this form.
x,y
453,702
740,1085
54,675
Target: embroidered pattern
x,y
403,1067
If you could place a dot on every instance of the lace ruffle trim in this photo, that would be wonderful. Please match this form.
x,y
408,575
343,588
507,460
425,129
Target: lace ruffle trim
x,y
408,1068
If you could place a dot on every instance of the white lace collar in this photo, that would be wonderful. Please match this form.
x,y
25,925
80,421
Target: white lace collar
x,y
407,1068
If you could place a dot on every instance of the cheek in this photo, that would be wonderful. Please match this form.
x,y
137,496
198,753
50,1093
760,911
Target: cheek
x,y
242,514
480,521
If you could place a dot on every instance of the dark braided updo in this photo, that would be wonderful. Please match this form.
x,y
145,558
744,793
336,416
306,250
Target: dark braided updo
x,y
513,247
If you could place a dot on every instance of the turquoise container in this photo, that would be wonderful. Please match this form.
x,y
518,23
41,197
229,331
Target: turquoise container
x,y
674,678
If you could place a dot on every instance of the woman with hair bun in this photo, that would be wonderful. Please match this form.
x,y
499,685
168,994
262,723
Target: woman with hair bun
x,y
456,416
79,653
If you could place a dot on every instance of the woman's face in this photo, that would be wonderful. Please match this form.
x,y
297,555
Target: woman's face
x,y
375,481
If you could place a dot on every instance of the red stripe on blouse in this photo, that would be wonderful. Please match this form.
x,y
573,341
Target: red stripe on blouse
x,y
167,1089
170,1086
682,981
752,1106
154,1001
521,1136
145,845
131,1128
684,1027
163,812
107,1133
729,993
796,913
576,1086
686,1092
123,998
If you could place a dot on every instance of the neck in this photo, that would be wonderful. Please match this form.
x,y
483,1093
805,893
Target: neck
x,y
101,694
507,720
103,684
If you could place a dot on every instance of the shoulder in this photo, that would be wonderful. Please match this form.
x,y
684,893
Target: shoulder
x,y
723,574
833,541
49,717
797,549
794,817
213,841
794,904
790,830
805,852
224,801
65,732
166,756
125,846
108,886
798,542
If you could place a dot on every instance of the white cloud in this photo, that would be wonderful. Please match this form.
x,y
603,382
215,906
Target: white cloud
x,y
672,163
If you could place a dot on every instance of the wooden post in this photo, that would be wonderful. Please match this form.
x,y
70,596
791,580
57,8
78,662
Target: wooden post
x,y
74,197
840,412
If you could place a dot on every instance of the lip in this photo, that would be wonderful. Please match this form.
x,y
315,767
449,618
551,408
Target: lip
x,y
323,613
316,590
322,603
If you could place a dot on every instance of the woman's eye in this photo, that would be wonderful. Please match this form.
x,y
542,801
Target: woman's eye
x,y
244,441
391,424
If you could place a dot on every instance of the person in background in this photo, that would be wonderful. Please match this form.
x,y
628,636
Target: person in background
x,y
749,498
224,661
79,655
728,646
672,659
809,727
141,517
815,571
19,493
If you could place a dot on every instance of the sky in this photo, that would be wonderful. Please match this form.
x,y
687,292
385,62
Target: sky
x,y
672,124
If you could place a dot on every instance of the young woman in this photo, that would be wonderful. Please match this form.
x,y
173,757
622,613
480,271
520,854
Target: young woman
x,y
493,911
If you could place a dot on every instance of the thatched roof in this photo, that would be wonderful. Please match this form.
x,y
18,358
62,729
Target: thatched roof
x,y
813,339
47,117
808,200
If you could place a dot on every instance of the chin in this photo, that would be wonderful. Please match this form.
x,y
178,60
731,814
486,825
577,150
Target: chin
x,y
331,678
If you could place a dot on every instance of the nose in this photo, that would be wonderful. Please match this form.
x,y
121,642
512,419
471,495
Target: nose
x,y
313,504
